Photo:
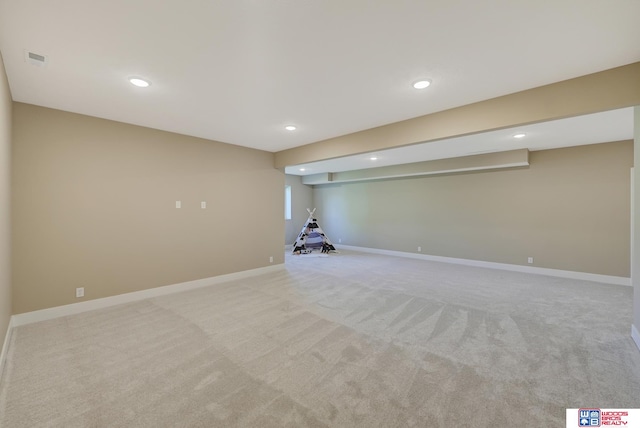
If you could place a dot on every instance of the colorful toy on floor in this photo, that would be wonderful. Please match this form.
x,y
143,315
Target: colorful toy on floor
x,y
312,238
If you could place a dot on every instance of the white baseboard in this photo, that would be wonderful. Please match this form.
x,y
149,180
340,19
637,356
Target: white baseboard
x,y
635,335
5,346
89,305
607,279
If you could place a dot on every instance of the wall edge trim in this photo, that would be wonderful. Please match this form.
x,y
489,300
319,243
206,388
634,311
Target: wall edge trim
x,y
5,346
635,335
607,279
105,302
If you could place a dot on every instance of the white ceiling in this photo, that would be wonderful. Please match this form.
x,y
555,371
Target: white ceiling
x,y
238,71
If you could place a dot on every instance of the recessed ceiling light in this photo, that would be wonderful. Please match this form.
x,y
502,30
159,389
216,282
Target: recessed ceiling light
x,y
373,158
421,84
141,83
290,128
520,135
302,169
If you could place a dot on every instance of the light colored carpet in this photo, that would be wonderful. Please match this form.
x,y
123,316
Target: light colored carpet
x,y
350,340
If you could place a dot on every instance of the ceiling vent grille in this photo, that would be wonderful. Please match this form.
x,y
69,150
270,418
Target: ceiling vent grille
x,y
35,58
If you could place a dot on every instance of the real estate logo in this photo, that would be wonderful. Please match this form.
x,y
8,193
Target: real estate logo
x,y
589,417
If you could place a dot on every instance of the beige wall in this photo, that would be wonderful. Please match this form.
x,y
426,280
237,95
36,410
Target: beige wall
x,y
301,199
569,210
5,226
94,207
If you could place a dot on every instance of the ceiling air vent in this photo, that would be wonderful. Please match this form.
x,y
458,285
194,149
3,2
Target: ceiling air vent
x,y
35,58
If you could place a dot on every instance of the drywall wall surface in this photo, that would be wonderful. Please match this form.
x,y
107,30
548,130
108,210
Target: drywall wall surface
x,y
94,206
569,210
5,211
301,199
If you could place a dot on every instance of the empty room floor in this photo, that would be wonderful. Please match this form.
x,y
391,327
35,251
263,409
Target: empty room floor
x,y
349,340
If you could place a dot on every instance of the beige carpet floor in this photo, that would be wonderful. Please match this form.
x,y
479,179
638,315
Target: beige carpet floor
x,y
349,340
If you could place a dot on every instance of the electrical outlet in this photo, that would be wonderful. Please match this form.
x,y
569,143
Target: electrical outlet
x,y
203,205
339,240
80,292
271,259
178,204
530,260
419,249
